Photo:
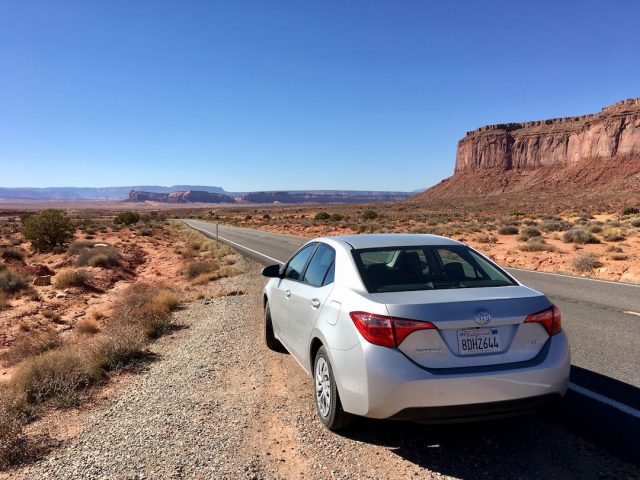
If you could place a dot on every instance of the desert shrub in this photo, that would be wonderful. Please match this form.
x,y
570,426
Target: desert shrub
x,y
87,326
619,256
12,253
29,345
52,316
13,441
145,232
630,211
141,307
537,246
614,248
56,373
105,257
79,245
322,216
578,235
553,226
529,232
248,217
508,230
635,222
71,278
613,234
266,216
595,228
585,262
484,238
369,215
4,301
167,299
199,267
127,218
48,229
336,217
12,282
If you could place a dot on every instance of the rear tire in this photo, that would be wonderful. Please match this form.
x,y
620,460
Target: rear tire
x,y
328,404
269,337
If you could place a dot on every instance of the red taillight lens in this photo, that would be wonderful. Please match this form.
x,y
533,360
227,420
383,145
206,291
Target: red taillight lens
x,y
549,318
386,331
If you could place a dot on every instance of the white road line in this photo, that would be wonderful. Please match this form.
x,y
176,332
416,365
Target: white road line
x,y
208,233
572,276
606,400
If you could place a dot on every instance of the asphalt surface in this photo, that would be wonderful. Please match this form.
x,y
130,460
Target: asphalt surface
x,y
603,334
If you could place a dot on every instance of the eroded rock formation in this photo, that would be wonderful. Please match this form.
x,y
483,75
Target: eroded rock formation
x,y
615,131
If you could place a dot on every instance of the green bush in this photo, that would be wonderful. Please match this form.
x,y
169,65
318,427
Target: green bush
x,y
336,217
630,211
370,214
127,218
577,235
48,229
322,216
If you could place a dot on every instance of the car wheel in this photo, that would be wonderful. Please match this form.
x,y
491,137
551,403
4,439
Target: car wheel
x,y
328,403
269,337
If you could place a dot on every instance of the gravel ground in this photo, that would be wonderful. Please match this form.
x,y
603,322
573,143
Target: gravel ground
x,y
217,404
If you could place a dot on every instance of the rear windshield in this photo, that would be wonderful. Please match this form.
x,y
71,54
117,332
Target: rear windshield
x,y
401,269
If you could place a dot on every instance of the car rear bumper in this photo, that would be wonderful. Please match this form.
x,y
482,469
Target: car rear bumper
x,y
380,382
477,411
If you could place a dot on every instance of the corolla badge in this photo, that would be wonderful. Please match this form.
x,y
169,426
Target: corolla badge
x,y
482,318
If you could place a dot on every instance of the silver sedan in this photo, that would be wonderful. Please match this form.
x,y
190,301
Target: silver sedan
x,y
416,327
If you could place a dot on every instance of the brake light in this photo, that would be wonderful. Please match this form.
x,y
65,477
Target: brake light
x,y
386,331
549,318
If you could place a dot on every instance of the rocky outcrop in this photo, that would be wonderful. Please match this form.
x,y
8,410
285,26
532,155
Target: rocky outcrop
x,y
613,132
189,196
591,161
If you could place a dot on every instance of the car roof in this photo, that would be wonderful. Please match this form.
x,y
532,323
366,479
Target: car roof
x,y
377,240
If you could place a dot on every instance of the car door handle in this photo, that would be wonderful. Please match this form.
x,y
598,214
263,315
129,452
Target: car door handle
x,y
315,303
287,293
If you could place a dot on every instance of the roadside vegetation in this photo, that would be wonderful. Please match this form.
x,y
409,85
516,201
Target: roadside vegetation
x,y
52,266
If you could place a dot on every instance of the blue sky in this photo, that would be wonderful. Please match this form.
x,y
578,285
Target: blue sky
x,y
266,95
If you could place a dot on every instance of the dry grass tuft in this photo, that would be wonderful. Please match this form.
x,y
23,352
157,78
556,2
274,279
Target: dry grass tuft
x,y
71,278
167,299
585,262
87,326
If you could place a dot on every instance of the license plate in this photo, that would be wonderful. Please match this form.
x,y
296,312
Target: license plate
x,y
478,340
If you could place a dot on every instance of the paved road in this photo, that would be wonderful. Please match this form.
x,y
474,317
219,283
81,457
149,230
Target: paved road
x,y
605,339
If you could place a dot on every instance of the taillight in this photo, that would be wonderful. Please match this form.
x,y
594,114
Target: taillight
x,y
386,331
549,318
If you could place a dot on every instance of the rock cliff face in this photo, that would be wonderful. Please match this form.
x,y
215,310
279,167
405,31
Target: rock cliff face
x,y
189,196
591,160
615,131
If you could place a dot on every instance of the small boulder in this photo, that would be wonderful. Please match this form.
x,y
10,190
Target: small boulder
x,y
42,281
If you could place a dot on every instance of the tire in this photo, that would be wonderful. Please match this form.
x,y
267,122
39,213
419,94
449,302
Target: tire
x,y
269,337
326,396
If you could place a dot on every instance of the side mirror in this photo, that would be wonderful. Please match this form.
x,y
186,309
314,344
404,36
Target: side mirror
x,y
272,271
